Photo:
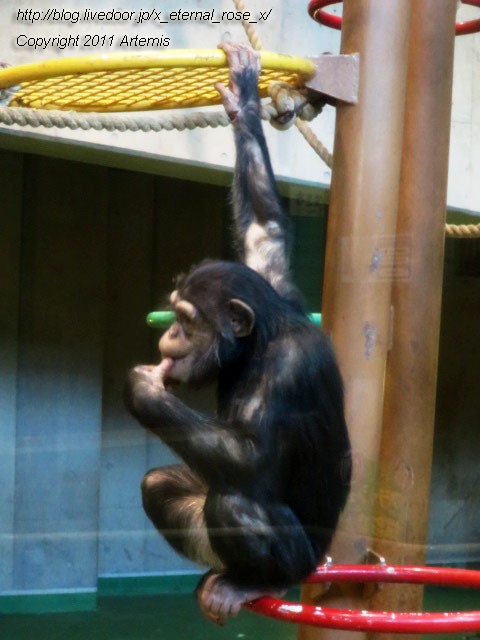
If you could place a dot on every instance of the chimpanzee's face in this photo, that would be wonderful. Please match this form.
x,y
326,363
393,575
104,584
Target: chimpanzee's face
x,y
191,342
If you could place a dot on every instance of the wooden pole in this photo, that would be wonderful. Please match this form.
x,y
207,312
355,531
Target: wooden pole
x,y
359,264
410,390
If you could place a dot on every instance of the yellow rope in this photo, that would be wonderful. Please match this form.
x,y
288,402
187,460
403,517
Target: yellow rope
x,y
141,82
118,83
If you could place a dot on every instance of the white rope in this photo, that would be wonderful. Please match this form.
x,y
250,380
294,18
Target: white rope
x,y
462,230
111,122
120,122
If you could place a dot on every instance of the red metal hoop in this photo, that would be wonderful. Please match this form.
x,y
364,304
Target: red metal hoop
x,y
315,9
383,622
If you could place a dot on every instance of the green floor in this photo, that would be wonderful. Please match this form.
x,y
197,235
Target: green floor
x,y
140,618
176,617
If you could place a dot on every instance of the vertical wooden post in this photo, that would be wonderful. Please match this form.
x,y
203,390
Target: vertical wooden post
x,y
410,390
359,264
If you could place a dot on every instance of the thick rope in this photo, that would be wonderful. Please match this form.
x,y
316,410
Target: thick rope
x,y
314,142
111,122
119,122
463,231
250,30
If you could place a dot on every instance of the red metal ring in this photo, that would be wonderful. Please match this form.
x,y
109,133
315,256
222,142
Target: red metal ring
x,y
315,10
379,621
471,26
328,19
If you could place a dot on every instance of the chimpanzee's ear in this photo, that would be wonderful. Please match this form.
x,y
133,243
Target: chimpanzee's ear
x,y
242,317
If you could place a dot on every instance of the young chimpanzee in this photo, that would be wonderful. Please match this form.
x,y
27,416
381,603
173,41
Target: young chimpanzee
x,y
259,495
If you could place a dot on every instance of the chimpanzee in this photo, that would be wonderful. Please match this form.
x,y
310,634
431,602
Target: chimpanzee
x,y
259,494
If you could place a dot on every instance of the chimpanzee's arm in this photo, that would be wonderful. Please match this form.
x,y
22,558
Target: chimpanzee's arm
x,y
260,221
222,453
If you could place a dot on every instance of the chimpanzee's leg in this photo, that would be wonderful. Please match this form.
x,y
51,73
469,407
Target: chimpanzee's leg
x,y
260,543
263,546
174,499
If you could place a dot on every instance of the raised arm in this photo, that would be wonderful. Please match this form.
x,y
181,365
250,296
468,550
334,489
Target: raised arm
x,y
260,220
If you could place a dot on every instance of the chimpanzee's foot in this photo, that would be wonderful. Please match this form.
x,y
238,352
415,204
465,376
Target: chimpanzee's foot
x,y
239,57
219,599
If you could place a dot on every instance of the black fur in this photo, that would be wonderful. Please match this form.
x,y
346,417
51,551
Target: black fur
x,y
275,462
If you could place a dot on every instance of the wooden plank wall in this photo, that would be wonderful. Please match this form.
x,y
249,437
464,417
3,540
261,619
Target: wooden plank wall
x,y
59,392
154,233
127,299
454,521
11,170
85,253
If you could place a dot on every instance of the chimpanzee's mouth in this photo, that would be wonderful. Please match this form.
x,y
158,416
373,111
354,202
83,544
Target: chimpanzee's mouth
x,y
170,379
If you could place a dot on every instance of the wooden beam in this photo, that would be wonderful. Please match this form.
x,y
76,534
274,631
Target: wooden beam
x,y
410,388
359,263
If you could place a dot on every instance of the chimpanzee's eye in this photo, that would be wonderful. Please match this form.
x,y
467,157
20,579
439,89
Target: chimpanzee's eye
x,y
185,322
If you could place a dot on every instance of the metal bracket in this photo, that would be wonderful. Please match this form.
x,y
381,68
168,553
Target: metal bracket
x,y
371,588
336,77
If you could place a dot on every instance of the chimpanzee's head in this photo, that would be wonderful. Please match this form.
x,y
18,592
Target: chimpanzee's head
x,y
224,311
215,316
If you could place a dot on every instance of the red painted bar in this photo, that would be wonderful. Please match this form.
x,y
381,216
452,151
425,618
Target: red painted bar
x,y
378,621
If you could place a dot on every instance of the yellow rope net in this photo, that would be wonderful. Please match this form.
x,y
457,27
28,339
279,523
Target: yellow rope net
x,y
172,79
139,82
